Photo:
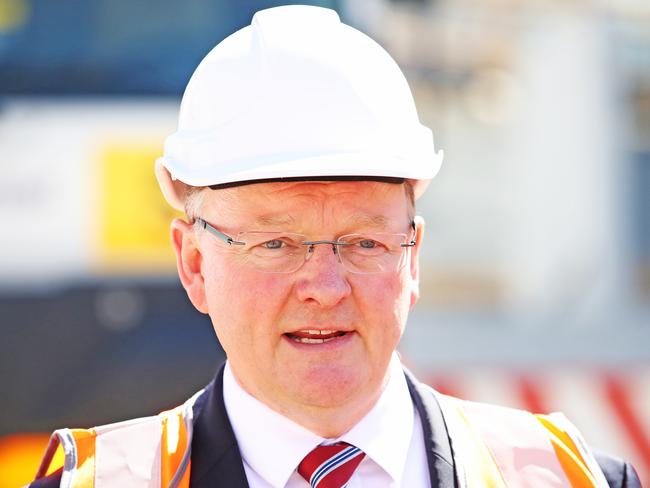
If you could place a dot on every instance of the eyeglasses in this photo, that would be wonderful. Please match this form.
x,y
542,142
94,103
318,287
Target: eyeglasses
x,y
286,252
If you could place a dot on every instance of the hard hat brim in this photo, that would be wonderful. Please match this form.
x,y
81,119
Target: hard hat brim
x,y
170,174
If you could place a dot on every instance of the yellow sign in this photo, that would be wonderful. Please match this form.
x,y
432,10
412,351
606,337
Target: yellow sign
x,y
13,15
134,218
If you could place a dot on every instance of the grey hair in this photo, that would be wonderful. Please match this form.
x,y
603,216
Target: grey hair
x,y
194,196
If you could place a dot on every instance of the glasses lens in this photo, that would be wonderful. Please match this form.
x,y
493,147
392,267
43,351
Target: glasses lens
x,y
372,253
285,252
273,252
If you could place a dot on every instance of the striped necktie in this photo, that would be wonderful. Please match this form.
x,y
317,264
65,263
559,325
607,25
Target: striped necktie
x,y
330,466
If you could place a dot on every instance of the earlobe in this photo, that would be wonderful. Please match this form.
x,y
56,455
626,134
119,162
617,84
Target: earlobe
x,y
414,262
188,263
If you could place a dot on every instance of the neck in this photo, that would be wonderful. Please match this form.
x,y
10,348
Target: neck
x,y
329,420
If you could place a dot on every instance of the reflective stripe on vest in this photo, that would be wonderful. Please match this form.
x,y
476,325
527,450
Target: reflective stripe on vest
x,y
149,452
499,447
493,447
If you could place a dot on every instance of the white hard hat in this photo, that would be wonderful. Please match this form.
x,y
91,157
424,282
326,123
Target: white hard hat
x,y
296,94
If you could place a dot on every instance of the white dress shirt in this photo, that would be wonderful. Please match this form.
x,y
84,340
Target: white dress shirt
x,y
272,446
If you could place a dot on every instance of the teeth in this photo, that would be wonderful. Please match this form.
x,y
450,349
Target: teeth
x,y
318,332
309,340
325,336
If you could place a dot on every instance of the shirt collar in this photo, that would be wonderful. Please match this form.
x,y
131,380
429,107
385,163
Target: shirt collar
x,y
270,443
384,434
274,445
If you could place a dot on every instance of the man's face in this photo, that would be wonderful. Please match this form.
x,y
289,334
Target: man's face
x,y
257,315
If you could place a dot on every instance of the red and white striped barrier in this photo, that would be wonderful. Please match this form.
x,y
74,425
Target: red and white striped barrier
x,y
612,409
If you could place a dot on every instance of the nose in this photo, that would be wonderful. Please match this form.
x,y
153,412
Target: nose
x,y
322,279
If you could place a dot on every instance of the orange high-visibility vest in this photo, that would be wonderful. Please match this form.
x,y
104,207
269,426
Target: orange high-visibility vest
x,y
492,446
499,447
149,452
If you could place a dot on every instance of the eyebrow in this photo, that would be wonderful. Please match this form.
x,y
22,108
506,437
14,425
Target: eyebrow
x,y
274,220
372,221
357,221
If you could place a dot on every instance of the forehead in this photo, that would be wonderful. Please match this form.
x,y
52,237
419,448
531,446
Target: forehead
x,y
305,198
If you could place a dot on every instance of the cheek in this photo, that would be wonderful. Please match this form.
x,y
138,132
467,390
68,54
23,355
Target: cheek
x,y
386,302
242,303
395,292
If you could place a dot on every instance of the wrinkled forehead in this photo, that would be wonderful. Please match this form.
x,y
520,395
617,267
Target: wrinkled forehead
x,y
310,198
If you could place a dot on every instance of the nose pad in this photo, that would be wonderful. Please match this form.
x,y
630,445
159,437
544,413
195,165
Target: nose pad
x,y
312,247
322,282
335,250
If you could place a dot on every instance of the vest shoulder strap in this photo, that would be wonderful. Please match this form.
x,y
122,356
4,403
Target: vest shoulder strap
x,y
148,452
503,447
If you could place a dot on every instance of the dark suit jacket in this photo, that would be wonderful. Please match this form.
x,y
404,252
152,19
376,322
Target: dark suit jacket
x,y
216,461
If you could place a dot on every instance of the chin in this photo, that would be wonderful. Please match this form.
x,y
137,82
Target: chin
x,y
332,387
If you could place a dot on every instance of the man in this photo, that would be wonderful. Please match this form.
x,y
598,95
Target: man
x,y
298,159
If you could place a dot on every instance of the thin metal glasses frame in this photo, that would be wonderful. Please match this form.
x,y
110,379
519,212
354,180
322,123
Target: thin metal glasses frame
x,y
229,240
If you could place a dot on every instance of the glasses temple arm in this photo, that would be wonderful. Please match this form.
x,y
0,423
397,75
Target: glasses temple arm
x,y
217,233
412,242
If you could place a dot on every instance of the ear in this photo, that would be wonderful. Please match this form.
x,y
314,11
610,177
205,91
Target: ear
x,y
173,190
188,262
415,263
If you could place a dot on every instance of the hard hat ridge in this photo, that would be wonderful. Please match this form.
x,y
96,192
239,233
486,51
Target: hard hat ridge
x,y
296,94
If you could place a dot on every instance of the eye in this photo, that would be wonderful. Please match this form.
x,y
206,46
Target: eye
x,y
273,244
367,244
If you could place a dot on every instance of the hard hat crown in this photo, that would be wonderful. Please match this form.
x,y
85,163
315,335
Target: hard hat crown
x,y
297,94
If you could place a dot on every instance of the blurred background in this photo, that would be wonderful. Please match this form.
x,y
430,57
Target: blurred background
x,y
536,265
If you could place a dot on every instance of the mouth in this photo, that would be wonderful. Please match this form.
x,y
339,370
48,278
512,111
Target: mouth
x,y
309,336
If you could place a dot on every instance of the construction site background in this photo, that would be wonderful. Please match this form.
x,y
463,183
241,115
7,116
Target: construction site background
x,y
536,260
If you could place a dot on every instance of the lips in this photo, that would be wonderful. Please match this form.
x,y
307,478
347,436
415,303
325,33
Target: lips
x,y
313,336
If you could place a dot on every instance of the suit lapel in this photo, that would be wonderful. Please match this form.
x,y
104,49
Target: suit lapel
x,y
436,438
215,455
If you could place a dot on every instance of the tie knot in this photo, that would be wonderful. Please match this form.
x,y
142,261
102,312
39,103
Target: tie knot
x,y
330,466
